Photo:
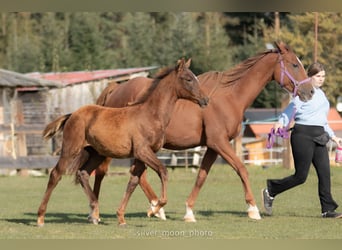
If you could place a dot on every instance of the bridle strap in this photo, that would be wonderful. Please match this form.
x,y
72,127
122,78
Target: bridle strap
x,y
284,132
294,81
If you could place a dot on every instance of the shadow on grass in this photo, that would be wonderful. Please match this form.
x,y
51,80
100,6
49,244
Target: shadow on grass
x,y
72,218
211,213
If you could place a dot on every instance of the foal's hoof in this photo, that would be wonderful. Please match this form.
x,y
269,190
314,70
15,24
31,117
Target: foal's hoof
x,y
160,214
150,212
40,222
93,220
124,224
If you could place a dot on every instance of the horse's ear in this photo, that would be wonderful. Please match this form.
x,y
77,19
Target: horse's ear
x,y
180,64
188,62
281,46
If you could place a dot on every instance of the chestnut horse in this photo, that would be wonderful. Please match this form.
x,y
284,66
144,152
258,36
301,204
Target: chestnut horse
x,y
230,92
136,131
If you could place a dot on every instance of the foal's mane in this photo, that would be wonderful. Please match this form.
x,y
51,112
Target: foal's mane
x,y
236,73
161,74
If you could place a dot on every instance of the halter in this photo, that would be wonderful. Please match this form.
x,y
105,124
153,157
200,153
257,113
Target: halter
x,y
284,132
294,81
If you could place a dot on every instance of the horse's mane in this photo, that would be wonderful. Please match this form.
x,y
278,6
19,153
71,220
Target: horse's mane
x,y
156,79
230,76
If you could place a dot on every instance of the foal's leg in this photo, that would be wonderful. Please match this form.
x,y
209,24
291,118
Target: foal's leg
x,y
151,196
83,175
136,171
224,148
55,176
100,173
149,157
207,162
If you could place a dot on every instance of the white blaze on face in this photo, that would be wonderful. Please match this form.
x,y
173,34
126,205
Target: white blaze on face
x,y
299,61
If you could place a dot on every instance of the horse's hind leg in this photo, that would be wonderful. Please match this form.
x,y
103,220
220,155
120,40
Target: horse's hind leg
x,y
83,175
55,176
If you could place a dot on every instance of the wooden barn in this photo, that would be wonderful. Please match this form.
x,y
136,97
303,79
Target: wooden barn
x,y
32,100
14,128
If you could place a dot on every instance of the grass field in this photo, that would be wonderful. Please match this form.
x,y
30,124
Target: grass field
x,y
220,209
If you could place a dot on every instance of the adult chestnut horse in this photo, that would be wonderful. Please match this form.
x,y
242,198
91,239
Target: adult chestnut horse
x,y
230,92
136,131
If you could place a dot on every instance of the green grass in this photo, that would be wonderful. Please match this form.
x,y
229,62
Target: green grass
x,y
220,209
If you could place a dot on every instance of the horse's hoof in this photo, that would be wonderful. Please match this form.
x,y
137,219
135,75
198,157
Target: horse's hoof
x,y
189,219
124,224
160,214
149,212
95,221
253,213
40,222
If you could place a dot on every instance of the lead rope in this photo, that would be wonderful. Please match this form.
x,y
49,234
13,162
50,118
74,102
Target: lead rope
x,y
281,132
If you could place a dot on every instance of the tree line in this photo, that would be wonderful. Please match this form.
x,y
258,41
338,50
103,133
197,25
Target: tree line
x,y
54,41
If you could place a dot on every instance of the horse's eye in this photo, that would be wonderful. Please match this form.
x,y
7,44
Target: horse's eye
x,y
295,65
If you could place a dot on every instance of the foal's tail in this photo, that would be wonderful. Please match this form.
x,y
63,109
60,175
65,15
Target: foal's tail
x,y
56,126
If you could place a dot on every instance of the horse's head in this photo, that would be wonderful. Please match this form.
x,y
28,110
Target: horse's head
x,y
291,74
189,84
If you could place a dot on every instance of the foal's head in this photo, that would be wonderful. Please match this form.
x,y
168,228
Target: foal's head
x,y
188,87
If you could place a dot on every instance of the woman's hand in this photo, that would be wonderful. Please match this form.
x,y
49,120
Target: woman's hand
x,y
277,125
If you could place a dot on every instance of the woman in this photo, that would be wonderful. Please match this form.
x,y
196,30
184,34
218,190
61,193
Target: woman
x,y
309,136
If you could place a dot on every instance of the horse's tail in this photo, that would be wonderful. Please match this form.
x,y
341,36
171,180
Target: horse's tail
x,y
56,126
101,100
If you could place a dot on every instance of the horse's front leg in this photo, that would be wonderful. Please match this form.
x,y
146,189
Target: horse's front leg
x,y
149,157
208,160
136,171
151,196
224,148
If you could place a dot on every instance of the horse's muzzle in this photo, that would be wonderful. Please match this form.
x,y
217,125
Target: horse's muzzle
x,y
203,102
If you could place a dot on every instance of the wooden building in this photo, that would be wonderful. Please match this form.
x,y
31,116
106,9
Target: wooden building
x,y
13,126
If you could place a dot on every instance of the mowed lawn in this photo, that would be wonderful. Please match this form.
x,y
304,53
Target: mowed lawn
x,y
220,209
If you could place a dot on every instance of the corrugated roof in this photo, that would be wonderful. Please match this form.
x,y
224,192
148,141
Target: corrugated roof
x,y
75,77
14,80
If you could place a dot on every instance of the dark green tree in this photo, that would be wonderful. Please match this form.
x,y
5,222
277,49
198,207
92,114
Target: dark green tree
x,y
86,42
